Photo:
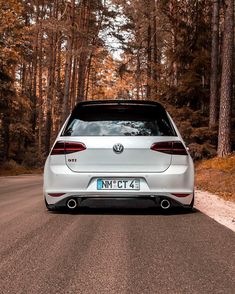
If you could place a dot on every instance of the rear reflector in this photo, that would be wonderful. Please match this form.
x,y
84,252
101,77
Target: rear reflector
x,y
62,148
56,194
180,195
171,147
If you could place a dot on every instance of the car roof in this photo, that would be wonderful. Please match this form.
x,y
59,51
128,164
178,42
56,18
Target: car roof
x,y
118,102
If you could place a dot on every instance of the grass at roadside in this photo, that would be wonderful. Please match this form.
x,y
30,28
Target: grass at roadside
x,y
11,168
217,175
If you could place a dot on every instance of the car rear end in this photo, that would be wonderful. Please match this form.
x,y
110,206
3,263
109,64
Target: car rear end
x,y
119,150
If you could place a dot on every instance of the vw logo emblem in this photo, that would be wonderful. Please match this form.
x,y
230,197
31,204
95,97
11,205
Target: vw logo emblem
x,y
118,148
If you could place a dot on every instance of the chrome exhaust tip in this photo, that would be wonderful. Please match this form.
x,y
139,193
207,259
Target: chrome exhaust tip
x,y
72,204
165,204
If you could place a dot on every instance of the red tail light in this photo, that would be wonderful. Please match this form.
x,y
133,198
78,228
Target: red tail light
x,y
180,194
174,148
56,194
58,149
61,148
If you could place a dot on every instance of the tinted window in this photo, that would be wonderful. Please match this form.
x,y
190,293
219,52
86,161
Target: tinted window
x,y
119,121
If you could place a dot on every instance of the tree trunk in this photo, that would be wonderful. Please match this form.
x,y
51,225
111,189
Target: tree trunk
x,y
214,66
85,17
155,50
74,82
58,87
88,75
82,76
173,65
138,76
50,83
67,78
224,144
34,94
5,135
35,75
54,73
149,60
40,91
69,58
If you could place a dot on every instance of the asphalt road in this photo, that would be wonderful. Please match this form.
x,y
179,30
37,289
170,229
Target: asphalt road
x,y
108,250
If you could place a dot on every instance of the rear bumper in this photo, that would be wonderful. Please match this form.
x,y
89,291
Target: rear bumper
x,y
176,179
119,201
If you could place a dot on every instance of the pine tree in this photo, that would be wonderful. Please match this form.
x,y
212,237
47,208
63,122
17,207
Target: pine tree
x,y
224,142
213,116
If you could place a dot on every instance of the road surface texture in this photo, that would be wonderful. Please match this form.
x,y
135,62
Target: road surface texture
x,y
108,250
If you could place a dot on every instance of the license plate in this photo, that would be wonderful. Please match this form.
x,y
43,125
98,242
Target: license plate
x,y
118,184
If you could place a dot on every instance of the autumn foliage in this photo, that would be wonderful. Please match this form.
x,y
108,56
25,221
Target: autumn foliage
x,y
54,54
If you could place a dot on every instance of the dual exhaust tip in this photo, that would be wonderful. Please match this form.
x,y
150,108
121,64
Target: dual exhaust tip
x,y
165,204
72,204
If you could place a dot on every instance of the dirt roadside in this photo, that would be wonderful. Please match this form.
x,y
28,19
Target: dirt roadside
x,y
217,208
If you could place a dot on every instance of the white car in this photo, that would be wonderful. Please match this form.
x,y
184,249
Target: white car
x,y
119,149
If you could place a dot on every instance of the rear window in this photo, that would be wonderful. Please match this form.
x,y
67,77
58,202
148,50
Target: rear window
x,y
119,121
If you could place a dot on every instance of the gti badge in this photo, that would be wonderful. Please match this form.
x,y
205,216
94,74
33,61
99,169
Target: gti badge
x,y
118,148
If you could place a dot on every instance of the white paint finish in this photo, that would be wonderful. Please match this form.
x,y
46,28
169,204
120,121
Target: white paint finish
x,y
160,174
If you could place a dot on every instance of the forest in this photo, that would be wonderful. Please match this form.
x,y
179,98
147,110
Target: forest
x,y
54,54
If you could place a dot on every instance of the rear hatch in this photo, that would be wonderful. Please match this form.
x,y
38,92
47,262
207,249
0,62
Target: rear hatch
x,y
117,138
